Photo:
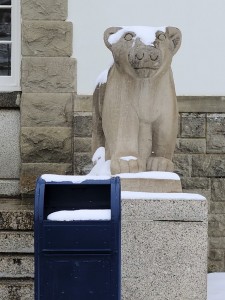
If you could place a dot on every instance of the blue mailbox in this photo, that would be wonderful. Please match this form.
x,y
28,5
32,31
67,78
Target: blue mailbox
x,y
77,260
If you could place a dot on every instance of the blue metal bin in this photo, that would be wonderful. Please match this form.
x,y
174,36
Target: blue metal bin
x,y
77,260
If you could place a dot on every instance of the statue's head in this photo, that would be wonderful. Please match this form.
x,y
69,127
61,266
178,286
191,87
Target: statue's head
x,y
142,51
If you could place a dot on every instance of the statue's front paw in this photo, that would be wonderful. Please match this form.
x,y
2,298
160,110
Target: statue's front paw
x,y
127,164
160,164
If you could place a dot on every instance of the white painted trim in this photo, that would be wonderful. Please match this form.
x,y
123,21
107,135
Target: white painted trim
x,y
12,83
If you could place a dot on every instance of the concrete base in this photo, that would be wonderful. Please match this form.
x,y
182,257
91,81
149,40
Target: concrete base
x,y
164,246
151,182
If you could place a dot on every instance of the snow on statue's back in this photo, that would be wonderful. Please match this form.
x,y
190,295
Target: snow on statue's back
x,y
134,103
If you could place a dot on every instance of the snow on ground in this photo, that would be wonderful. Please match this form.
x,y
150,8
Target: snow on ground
x,y
216,286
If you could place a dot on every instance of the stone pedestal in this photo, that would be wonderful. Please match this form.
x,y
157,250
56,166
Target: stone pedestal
x,y
164,246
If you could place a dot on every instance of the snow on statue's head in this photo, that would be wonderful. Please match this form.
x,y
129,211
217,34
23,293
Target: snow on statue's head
x,y
134,107
142,51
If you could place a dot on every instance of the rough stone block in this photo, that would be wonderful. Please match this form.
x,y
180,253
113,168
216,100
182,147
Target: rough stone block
x,y
190,145
30,173
48,75
47,110
217,225
161,255
215,133
47,38
190,183
44,9
82,144
46,144
9,188
182,164
17,290
9,137
83,125
217,207
215,266
208,165
83,103
17,266
16,242
217,242
16,214
218,189
10,100
82,163
193,125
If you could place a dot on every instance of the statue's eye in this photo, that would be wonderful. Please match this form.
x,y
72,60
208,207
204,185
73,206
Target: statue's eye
x,y
162,37
128,36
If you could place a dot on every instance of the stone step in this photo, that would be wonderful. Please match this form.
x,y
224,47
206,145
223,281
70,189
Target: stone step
x,y
16,289
16,214
16,242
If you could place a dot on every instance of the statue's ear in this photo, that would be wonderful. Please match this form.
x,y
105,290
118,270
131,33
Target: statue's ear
x,y
107,34
175,36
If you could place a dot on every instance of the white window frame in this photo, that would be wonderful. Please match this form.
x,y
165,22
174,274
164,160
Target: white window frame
x,y
12,83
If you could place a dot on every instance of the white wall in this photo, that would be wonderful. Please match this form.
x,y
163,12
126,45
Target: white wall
x,y
198,67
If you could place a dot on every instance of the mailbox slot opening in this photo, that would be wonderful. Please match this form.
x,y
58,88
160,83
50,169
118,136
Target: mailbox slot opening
x,y
82,196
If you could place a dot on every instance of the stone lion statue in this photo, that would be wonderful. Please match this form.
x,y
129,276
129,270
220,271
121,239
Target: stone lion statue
x,y
135,106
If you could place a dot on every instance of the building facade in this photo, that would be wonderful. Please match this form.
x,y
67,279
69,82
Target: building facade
x,y
46,128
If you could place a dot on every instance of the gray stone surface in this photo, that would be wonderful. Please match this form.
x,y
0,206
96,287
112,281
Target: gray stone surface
x,y
9,187
82,163
17,266
47,38
9,137
10,100
218,189
16,214
193,125
215,133
47,110
190,183
44,9
82,144
190,145
17,290
30,173
164,210
46,144
82,124
48,75
208,165
16,242
83,103
217,225
182,164
161,259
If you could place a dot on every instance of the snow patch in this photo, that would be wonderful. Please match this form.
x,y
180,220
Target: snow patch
x,y
127,158
80,215
216,286
160,196
72,179
151,175
145,33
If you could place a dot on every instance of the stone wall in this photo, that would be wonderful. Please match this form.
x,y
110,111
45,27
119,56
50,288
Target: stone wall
x,y
48,87
199,158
